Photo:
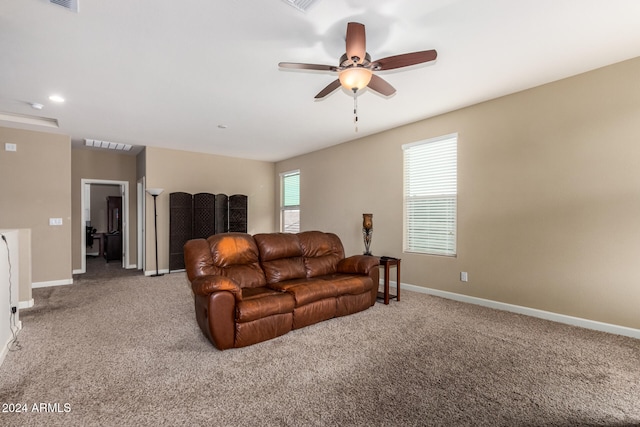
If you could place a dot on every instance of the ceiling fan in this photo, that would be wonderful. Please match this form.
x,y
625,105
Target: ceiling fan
x,y
356,70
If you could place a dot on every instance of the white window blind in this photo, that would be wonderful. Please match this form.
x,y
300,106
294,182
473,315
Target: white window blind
x,y
430,196
290,209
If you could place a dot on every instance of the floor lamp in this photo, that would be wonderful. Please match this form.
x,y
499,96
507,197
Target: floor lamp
x,y
155,192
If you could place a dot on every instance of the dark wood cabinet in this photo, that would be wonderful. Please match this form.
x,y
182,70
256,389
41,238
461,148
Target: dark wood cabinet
x,y
114,213
113,238
113,247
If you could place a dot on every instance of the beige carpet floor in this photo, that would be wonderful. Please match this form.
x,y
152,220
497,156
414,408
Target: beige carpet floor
x,y
126,351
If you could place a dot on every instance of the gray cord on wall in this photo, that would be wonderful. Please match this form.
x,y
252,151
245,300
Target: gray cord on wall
x,y
13,344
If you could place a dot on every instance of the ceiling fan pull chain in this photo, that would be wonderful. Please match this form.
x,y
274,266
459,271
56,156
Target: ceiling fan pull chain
x,y
355,109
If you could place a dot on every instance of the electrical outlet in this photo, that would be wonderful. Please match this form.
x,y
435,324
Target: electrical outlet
x,y
10,147
55,221
464,276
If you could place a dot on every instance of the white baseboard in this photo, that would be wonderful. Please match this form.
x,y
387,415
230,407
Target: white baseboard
x,y
547,315
26,304
52,283
128,267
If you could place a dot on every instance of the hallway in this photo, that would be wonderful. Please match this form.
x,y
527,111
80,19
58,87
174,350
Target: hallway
x,y
98,268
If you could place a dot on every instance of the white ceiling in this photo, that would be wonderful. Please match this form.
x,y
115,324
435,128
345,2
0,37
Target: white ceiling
x,y
167,73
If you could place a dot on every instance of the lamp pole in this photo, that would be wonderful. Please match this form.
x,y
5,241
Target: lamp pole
x,y
155,192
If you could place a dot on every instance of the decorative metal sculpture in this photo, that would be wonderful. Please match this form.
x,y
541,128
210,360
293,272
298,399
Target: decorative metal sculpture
x,y
367,231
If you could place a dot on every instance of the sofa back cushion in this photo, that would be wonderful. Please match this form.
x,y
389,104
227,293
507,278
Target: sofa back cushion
x,y
321,252
280,256
197,259
235,255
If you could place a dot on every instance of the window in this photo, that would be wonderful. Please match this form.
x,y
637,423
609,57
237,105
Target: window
x,y
430,196
290,206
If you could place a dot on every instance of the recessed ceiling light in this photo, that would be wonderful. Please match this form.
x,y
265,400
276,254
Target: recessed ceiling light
x,y
56,98
36,105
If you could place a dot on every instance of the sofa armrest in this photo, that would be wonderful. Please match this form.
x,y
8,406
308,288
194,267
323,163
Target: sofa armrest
x,y
206,285
358,264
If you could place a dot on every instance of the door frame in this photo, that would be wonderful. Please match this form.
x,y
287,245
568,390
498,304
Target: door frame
x,y
124,191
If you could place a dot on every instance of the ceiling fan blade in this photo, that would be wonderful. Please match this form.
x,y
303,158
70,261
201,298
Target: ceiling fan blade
x,y
381,86
327,90
297,66
356,42
405,60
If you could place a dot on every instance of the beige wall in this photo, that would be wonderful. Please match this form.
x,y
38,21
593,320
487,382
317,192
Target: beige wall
x,y
175,170
35,186
549,196
101,165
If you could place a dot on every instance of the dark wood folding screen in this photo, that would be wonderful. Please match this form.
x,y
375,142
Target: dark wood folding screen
x,y
200,216
221,209
204,214
238,213
180,227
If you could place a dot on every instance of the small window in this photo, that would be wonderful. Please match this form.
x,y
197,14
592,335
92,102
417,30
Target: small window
x,y
430,196
290,206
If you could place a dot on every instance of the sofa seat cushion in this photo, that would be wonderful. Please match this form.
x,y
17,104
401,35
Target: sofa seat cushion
x,y
285,285
349,284
306,291
262,302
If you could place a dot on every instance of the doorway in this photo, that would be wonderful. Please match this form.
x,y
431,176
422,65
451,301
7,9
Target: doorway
x,y
106,227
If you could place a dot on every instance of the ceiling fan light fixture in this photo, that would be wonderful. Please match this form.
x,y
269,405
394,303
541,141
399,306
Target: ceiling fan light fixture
x,y
355,78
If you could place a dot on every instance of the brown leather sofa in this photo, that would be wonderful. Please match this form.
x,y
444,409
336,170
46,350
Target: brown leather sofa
x,y
249,289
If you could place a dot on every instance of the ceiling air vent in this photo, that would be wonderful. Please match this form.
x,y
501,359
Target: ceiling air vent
x,y
108,145
301,5
72,5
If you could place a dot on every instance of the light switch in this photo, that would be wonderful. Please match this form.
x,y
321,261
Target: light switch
x,y
55,221
10,147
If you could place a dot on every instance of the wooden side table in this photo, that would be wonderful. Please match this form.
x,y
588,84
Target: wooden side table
x,y
387,263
